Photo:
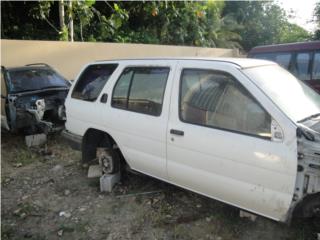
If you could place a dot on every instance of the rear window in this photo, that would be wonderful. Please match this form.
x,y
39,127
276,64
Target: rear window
x,y
34,79
92,81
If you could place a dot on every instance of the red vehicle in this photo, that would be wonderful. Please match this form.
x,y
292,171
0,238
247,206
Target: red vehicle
x,y
301,59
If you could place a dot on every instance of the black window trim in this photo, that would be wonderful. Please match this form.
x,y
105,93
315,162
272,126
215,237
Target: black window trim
x,y
81,74
313,63
219,128
129,89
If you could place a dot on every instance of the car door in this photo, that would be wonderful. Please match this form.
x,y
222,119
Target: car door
x,y
83,97
137,114
220,141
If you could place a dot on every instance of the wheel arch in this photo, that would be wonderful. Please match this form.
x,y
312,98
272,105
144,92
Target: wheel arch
x,y
94,138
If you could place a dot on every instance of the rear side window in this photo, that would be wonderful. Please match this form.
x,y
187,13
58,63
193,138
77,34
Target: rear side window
x,y
283,59
141,89
92,81
266,56
316,66
216,99
302,66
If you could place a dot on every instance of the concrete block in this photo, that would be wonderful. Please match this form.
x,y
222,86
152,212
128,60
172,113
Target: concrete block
x,y
107,181
36,139
95,171
252,217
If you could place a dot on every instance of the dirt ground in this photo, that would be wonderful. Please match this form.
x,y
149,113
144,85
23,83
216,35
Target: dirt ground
x,y
46,195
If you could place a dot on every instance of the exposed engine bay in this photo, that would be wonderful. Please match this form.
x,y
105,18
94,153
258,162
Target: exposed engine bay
x,y
38,111
307,192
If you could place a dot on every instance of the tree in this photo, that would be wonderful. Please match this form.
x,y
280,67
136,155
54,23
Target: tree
x,y
192,23
264,22
317,20
293,33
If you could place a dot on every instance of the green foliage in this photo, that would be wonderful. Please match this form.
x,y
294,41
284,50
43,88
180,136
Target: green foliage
x,y
236,24
63,35
293,33
317,20
264,22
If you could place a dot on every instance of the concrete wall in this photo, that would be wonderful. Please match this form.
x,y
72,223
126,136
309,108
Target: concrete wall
x,y
69,57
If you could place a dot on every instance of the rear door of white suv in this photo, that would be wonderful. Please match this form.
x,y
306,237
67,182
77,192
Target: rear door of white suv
x,y
220,141
137,113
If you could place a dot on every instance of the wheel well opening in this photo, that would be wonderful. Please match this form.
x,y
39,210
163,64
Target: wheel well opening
x,y
308,207
94,138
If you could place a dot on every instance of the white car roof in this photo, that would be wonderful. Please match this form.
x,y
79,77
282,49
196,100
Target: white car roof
x,y
240,62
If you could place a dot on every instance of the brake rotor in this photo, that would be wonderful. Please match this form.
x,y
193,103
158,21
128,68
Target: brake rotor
x,y
105,160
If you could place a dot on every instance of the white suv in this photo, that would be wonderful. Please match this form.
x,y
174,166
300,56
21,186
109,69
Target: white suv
x,y
242,131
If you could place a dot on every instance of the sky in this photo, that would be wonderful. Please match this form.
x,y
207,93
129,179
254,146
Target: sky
x,y
303,10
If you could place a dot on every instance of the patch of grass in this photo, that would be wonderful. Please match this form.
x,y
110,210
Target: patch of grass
x,y
26,209
25,157
67,228
7,232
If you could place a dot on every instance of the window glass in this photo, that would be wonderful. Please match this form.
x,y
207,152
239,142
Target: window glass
x,y
216,99
283,59
266,56
141,89
316,66
34,79
301,69
92,80
292,96
120,92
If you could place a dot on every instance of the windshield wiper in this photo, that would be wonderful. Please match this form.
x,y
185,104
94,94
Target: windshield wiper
x,y
309,118
38,89
52,86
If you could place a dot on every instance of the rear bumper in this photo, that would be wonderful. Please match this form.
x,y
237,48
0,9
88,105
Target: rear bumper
x,y
74,140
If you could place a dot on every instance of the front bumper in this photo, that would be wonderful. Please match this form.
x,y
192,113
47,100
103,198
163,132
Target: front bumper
x,y
74,140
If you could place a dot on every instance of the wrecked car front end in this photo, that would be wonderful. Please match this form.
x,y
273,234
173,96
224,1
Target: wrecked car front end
x,y
35,100
37,111
306,200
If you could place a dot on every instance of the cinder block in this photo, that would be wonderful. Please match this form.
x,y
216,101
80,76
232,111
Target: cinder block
x,y
252,217
95,171
36,139
107,181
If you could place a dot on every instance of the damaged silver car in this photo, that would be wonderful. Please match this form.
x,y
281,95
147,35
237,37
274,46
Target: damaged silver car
x,y
32,99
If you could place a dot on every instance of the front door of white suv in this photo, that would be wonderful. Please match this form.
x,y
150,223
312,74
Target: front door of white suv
x,y
220,141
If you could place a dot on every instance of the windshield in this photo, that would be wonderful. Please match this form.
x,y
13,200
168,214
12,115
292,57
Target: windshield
x,y
293,97
34,79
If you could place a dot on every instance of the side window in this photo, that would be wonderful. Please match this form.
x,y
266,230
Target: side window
x,y
302,66
121,90
92,80
216,99
141,89
266,56
316,67
283,59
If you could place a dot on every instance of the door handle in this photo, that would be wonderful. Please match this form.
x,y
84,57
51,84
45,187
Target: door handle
x,y
177,132
104,98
